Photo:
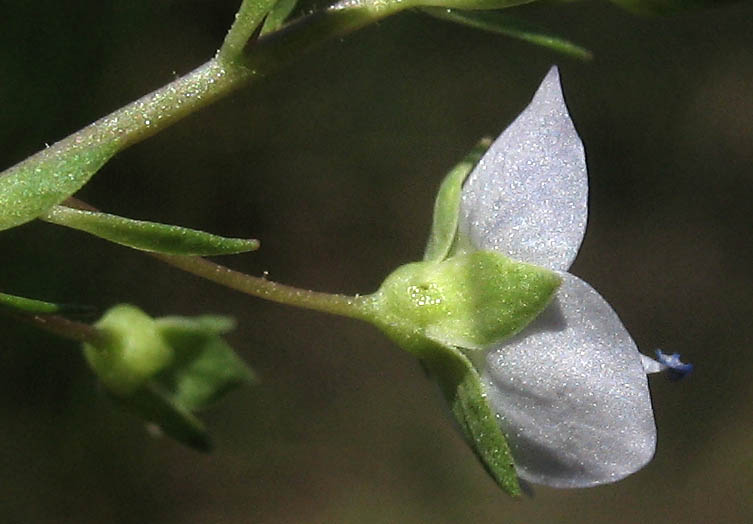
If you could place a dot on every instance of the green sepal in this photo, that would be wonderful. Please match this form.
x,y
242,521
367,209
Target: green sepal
x,y
156,406
510,26
468,301
461,386
148,236
205,367
31,188
277,15
447,205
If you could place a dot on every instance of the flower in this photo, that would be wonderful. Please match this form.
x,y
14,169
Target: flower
x,y
570,390
542,377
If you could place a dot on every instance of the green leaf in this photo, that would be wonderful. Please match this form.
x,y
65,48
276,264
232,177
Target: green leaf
x,y
154,405
461,386
504,24
31,188
277,16
148,236
38,307
205,366
28,305
447,205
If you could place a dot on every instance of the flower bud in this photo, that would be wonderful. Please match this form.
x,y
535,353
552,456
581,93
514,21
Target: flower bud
x,y
135,350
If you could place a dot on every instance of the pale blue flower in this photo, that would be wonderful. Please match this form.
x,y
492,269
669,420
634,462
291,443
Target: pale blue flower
x,y
570,390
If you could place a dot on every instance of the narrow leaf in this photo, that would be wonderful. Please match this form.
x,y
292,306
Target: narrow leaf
x,y
148,236
28,305
447,205
31,188
504,24
39,307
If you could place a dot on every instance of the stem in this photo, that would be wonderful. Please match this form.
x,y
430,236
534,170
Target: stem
x,y
33,186
281,47
336,304
65,328
209,82
248,20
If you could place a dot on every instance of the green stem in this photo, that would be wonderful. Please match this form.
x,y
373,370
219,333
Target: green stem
x,y
247,21
65,328
43,180
336,304
209,82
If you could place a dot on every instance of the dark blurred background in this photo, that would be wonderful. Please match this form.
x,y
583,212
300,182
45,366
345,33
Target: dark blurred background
x,y
333,164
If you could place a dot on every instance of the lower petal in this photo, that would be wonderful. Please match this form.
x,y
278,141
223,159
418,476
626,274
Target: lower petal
x,y
571,394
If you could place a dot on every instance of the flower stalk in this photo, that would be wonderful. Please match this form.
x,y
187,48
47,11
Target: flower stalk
x,y
65,328
343,305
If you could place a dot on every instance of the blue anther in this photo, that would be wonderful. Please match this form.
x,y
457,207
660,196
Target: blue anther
x,y
676,369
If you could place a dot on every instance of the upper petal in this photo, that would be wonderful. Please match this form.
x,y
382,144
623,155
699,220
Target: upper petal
x,y
527,197
571,394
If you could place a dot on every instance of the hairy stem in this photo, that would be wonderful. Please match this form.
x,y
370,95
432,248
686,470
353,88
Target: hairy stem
x,y
336,304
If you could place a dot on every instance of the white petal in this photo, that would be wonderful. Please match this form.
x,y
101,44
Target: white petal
x,y
571,394
527,198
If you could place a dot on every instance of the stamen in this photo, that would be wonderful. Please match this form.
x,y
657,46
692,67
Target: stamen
x,y
675,368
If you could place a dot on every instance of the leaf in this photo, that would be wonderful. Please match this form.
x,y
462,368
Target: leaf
x,y
277,16
28,305
148,236
32,187
513,27
205,366
447,205
461,386
39,307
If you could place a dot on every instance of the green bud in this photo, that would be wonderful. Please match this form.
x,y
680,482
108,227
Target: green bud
x,y
163,370
135,350
468,301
